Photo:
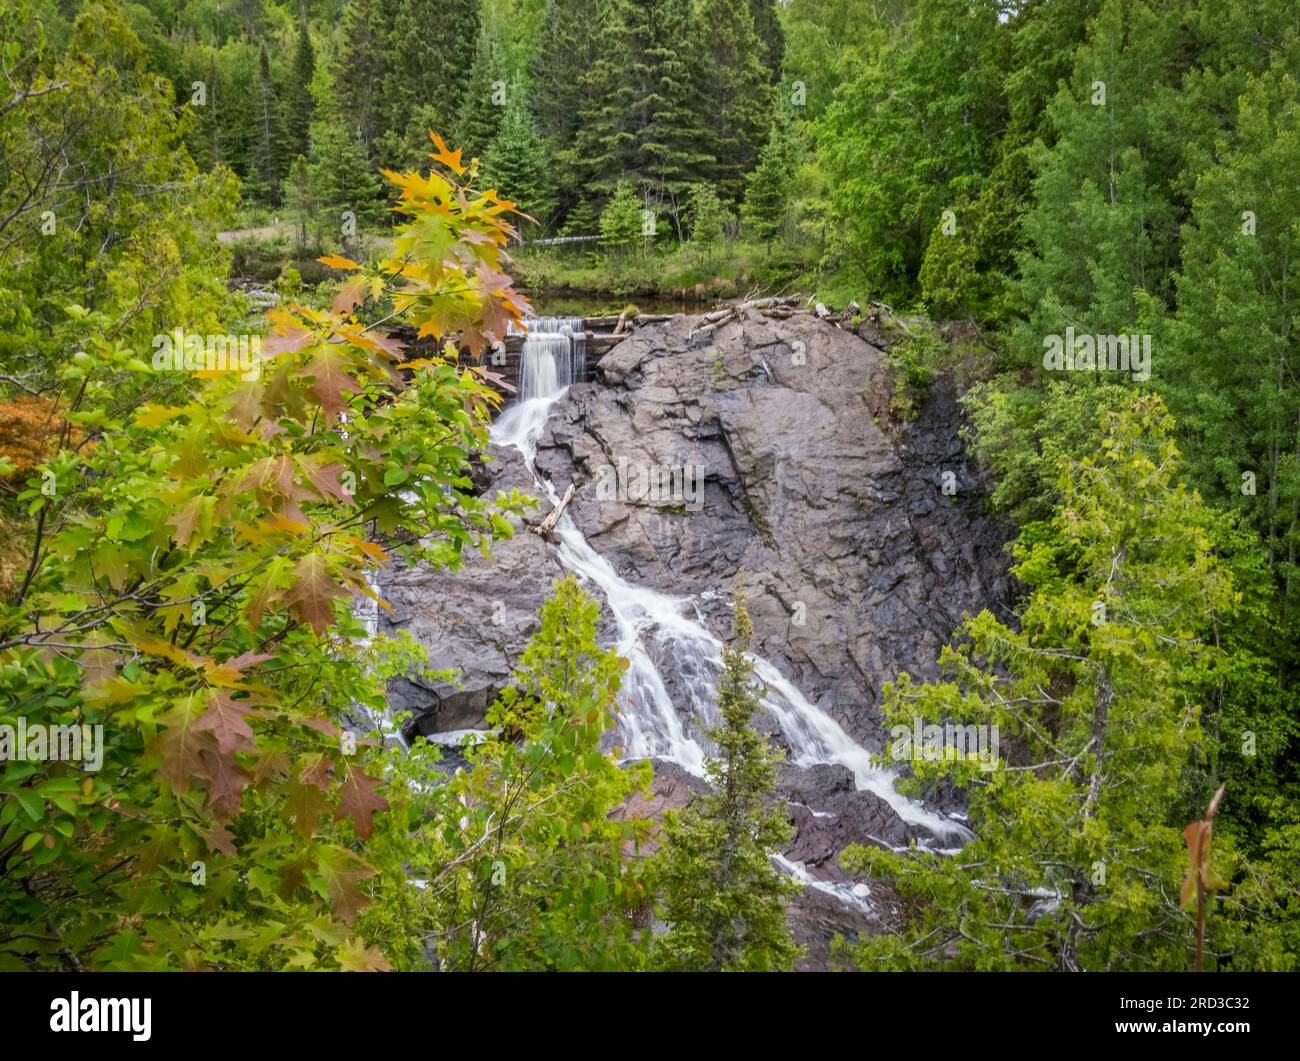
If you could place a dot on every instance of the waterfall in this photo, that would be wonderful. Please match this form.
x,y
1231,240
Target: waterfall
x,y
657,631
553,356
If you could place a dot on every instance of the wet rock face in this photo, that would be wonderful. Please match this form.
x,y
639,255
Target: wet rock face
x,y
758,447
857,562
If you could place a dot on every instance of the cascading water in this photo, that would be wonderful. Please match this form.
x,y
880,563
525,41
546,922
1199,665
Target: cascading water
x,y
657,631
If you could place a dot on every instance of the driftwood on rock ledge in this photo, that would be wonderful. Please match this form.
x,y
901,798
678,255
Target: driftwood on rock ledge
x,y
547,526
776,305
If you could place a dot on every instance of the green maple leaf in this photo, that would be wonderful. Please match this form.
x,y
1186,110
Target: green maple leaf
x,y
359,801
312,596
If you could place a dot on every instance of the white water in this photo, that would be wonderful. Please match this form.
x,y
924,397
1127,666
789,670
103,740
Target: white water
x,y
658,633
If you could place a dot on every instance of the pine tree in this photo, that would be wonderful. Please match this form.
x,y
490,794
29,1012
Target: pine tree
x,y
1104,184
299,201
641,118
1227,361
768,28
267,165
342,180
767,192
485,95
720,894
1094,701
518,164
537,877
738,98
430,45
620,221
361,69
568,45
298,105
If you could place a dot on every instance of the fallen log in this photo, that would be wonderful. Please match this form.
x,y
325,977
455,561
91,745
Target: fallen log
x,y
547,526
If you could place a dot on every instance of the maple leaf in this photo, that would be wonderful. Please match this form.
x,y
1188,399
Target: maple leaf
x,y
189,519
218,838
305,805
342,872
150,415
337,261
330,377
351,293
226,780
227,720
180,743
270,587
316,772
245,403
450,159
311,598
359,801
355,957
325,478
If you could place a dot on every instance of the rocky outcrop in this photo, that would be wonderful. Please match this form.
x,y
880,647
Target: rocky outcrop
x,y
760,447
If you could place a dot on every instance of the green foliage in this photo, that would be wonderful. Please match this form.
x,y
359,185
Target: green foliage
x,y
620,221
1095,695
912,133
720,894
485,95
190,566
518,163
535,875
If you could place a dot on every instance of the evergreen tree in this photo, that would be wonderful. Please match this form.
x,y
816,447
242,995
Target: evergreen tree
x,y
1104,184
620,221
1227,360
267,164
536,877
1095,698
298,104
770,35
706,216
518,164
361,69
736,97
767,192
641,119
485,96
568,45
299,200
430,45
911,134
720,894
342,180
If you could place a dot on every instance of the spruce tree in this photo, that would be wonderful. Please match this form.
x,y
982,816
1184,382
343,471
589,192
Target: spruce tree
x,y
736,98
568,45
641,118
1094,699
518,164
719,892
267,165
767,191
485,95
430,46
298,105
770,35
342,179
361,69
